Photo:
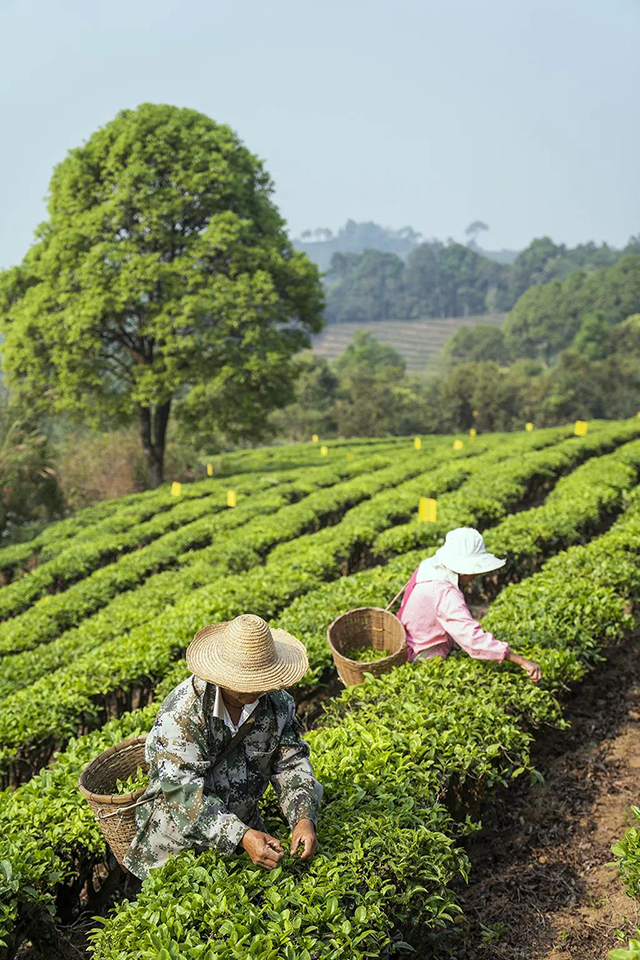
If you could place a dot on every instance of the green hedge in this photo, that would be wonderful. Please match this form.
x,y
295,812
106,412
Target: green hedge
x,y
389,750
52,614
229,467
65,824
41,717
196,569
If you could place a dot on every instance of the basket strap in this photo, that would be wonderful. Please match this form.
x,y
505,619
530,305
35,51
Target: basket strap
x,y
236,740
398,595
120,810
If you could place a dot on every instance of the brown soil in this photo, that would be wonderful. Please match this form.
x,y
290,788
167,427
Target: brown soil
x,y
542,887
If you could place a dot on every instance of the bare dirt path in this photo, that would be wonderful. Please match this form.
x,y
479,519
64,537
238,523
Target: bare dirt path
x,y
541,887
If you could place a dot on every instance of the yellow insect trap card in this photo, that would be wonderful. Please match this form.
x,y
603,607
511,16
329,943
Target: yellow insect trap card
x,y
427,510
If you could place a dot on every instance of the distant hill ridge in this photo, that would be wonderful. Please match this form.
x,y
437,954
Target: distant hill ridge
x,y
419,341
322,243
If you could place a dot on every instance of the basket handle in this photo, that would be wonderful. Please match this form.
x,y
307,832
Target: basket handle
x,y
398,594
106,816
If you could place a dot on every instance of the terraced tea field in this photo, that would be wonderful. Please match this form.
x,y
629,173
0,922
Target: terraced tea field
x,y
96,613
419,341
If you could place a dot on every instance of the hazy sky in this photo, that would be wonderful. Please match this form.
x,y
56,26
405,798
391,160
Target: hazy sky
x,y
522,113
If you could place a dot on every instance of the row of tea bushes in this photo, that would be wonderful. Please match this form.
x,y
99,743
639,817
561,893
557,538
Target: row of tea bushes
x,y
47,618
403,537
61,837
627,854
592,494
41,717
14,559
388,752
272,518
188,524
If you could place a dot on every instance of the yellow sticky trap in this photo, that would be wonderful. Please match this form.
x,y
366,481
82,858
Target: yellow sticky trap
x,y
232,498
427,510
581,428
528,427
349,456
417,443
458,444
473,433
209,469
176,489
476,413
324,451
315,438
638,413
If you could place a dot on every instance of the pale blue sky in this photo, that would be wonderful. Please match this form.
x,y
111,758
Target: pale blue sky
x,y
522,113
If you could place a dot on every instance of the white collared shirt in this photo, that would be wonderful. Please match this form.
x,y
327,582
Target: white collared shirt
x,y
221,713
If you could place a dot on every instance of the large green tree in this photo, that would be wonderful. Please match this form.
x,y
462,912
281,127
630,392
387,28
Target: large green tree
x,y
163,279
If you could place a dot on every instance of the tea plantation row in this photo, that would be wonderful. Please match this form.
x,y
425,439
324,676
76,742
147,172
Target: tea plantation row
x,y
42,716
45,841
231,468
387,753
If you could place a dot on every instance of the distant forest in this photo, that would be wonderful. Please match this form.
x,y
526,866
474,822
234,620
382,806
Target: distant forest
x,y
398,277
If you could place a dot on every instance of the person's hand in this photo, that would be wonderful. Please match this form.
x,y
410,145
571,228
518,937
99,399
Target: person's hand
x,y
264,850
304,833
532,670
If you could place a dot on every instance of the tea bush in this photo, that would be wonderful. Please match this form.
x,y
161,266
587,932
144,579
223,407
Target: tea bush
x,y
40,717
388,751
386,754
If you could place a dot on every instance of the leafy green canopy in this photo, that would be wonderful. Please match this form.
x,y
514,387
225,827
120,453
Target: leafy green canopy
x,y
547,317
163,273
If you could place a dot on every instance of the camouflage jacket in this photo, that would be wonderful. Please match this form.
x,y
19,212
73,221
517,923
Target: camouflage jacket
x,y
195,806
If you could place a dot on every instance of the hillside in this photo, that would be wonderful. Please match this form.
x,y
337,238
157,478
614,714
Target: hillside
x,y
419,341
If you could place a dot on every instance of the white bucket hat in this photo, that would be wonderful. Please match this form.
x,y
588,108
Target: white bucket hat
x,y
464,552
247,656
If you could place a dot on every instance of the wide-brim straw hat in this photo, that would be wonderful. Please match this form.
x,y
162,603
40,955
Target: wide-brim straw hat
x,y
246,655
464,552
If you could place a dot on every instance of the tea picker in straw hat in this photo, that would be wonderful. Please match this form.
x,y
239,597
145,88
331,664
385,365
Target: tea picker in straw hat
x,y
434,612
220,737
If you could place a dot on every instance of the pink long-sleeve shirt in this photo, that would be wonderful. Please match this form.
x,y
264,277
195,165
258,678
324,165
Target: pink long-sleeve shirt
x,y
434,614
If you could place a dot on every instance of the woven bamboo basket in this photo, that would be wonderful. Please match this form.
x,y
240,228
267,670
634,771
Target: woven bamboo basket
x,y
116,813
366,627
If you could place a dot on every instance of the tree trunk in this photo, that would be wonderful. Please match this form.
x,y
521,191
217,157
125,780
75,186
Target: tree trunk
x,y
153,433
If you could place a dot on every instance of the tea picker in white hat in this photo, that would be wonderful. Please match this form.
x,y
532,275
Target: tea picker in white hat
x,y
434,612
220,737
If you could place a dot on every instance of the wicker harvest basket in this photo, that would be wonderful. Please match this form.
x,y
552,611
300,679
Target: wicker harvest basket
x,y
114,812
366,627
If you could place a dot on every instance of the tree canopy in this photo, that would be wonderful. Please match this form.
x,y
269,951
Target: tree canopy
x,y
162,279
547,317
451,280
